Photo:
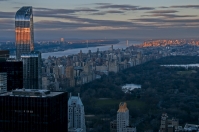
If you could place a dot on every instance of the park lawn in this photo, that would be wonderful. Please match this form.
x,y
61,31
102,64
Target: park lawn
x,y
186,72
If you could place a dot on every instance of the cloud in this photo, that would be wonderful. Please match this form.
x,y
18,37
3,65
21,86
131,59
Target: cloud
x,y
99,13
163,7
166,14
123,7
63,11
162,20
62,15
163,11
114,11
102,3
71,22
108,12
46,25
52,30
47,12
6,24
145,8
169,15
185,6
7,14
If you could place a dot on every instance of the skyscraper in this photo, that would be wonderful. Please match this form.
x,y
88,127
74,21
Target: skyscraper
x,y
123,119
14,71
76,116
32,70
24,31
31,110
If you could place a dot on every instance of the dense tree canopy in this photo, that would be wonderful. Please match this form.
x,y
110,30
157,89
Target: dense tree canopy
x,y
174,90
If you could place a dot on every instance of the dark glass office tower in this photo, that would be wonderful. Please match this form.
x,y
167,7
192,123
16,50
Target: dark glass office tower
x,y
4,54
28,110
14,70
24,31
32,70
3,82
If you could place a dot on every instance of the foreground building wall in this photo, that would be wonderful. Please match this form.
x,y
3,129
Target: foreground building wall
x,y
33,111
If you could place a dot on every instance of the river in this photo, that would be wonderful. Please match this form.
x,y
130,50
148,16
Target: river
x,y
120,45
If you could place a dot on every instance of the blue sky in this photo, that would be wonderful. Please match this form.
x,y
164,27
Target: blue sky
x,y
89,19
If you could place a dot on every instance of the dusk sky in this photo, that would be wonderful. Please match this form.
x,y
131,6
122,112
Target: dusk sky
x,y
93,19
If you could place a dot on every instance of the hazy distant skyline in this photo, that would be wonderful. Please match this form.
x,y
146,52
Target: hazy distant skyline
x,y
89,19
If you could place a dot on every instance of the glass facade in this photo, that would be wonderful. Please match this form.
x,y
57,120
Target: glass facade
x,y
27,113
32,70
14,70
24,31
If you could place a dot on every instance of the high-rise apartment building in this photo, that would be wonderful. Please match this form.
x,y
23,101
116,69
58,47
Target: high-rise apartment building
x,y
32,70
31,110
14,71
76,116
123,119
168,125
24,31
3,82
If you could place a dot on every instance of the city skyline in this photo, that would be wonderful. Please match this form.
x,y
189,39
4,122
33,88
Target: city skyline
x,y
105,19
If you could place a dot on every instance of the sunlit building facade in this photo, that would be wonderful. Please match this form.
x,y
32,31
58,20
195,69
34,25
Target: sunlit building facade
x,y
24,31
123,119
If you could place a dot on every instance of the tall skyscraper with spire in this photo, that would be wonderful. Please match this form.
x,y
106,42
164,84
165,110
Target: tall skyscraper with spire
x,y
76,116
24,31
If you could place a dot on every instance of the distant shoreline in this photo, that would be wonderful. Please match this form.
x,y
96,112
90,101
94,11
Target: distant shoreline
x,y
121,45
82,46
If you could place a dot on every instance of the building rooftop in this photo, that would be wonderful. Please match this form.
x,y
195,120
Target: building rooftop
x,y
122,107
31,93
25,10
75,100
29,55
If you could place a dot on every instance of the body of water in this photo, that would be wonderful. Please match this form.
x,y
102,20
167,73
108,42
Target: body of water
x,y
183,65
129,87
121,45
